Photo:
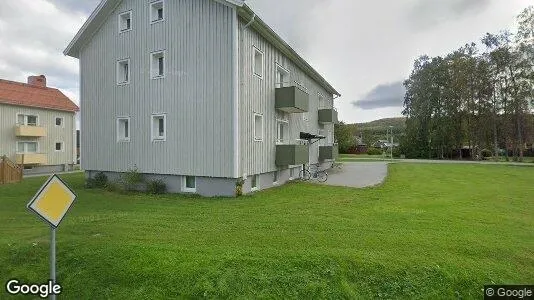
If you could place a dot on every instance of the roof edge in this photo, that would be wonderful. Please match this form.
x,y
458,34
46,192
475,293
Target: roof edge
x,y
267,32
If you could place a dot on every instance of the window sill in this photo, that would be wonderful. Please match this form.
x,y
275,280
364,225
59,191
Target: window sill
x,y
158,77
189,191
123,83
125,30
258,76
159,140
257,140
157,21
123,141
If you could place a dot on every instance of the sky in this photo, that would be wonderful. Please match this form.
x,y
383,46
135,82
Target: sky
x,y
365,49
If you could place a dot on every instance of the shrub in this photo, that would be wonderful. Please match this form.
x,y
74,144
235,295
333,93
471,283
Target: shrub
x,y
156,187
131,179
374,151
485,153
114,187
239,187
90,183
100,180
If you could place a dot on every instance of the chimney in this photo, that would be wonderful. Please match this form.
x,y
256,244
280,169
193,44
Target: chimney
x,y
37,80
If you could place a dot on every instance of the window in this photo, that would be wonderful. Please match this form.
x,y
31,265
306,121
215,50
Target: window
x,y
258,62
157,64
159,128
123,129
59,146
282,131
258,127
282,76
276,177
255,182
123,71
59,121
125,21
305,117
190,184
322,103
27,147
28,120
291,174
157,11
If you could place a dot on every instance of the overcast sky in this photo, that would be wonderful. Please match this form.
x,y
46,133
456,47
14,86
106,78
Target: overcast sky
x,y
365,49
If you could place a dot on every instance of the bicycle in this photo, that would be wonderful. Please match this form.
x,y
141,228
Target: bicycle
x,y
318,174
336,165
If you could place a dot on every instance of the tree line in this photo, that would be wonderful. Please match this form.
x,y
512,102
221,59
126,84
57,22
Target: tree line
x,y
478,98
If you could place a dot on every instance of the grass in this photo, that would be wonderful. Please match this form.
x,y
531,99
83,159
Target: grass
x,y
430,232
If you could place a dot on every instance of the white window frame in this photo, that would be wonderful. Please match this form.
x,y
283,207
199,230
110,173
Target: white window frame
x,y
254,51
120,21
118,71
279,68
62,122
283,123
158,138
262,128
121,139
257,187
184,185
151,11
26,148
155,75
37,121
322,101
62,147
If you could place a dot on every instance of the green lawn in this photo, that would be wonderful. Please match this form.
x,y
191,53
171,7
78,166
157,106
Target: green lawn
x,y
430,232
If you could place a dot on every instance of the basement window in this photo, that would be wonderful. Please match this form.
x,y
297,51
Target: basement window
x,y
255,182
159,128
157,11
123,71
258,127
157,64
125,21
59,146
123,129
190,184
258,62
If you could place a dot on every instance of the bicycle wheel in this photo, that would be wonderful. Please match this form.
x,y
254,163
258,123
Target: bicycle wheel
x,y
322,176
305,175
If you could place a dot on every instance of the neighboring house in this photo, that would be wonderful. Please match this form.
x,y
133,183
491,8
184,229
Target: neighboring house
x,y
359,146
198,93
384,144
37,127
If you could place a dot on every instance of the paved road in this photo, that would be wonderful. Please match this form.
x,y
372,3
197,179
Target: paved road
x,y
360,174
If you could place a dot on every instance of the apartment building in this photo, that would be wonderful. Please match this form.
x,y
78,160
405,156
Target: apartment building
x,y
199,93
37,126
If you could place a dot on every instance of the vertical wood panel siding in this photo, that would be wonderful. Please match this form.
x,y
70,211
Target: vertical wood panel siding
x,y
196,94
258,96
47,144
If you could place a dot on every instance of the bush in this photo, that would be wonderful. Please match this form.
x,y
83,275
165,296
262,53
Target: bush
x,y
239,187
131,179
101,180
156,187
90,183
374,151
485,153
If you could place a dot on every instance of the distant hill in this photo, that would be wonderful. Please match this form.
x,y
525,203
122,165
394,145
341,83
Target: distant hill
x,y
376,130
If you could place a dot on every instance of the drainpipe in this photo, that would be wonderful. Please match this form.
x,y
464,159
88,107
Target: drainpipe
x,y
242,81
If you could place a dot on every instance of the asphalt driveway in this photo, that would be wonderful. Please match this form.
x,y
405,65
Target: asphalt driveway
x,y
358,174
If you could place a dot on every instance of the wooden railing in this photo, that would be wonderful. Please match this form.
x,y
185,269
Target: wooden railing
x,y
10,172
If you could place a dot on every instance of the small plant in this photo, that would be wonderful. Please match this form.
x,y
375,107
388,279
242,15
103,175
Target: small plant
x,y
239,187
90,183
156,187
100,180
132,178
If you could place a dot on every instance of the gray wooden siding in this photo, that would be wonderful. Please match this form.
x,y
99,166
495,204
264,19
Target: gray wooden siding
x,y
195,95
258,96
47,144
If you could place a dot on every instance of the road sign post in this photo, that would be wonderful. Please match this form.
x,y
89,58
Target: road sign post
x,y
51,203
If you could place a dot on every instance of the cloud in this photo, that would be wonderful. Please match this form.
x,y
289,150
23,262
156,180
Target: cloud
x,y
426,14
83,6
33,45
382,96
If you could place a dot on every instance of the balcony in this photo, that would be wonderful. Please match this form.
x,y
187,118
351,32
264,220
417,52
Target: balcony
x,y
30,131
31,159
328,152
289,155
327,116
292,99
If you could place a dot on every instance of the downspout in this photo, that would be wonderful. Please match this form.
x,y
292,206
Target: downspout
x,y
241,79
235,93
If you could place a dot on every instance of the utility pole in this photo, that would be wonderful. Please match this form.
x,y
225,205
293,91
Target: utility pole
x,y
391,143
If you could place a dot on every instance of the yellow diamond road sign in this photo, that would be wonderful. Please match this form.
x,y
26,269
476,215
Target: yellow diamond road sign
x,y
52,201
